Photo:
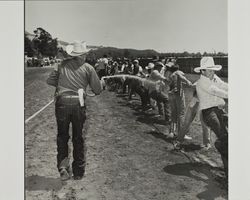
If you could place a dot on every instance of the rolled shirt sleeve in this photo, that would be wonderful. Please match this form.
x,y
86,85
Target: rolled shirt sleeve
x,y
181,75
221,84
157,75
214,89
218,92
95,82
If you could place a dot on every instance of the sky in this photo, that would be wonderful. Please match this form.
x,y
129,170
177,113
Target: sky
x,y
162,25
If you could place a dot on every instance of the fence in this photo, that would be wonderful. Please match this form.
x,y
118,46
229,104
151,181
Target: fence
x,y
187,64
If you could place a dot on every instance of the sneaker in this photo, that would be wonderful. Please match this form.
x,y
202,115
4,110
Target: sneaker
x,y
171,135
177,145
64,174
186,137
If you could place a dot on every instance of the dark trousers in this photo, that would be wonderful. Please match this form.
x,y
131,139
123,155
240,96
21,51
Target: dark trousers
x,y
68,111
216,119
125,84
160,98
115,84
101,73
142,92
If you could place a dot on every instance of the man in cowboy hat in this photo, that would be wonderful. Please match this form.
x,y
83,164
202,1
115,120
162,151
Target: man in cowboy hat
x,y
74,75
211,92
149,69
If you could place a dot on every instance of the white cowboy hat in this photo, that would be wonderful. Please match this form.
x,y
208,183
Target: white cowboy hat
x,y
150,66
77,48
207,63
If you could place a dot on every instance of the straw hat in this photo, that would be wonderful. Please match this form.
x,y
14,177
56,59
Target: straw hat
x,y
169,64
136,61
207,63
77,48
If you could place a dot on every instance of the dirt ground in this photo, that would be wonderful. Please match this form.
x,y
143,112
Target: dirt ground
x,y
127,159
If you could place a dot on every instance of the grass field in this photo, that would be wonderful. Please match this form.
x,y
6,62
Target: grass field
x,y
126,157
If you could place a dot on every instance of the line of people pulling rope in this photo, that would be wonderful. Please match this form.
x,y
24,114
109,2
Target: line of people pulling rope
x,y
163,82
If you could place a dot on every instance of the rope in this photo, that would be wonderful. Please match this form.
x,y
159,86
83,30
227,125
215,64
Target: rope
x,y
39,111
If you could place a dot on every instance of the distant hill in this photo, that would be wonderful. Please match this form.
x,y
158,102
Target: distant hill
x,y
127,53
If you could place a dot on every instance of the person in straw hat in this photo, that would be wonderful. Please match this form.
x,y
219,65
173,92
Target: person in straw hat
x,y
73,76
177,97
211,92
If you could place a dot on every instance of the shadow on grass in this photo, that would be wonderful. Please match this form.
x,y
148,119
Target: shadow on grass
x,y
35,182
212,176
147,119
159,135
142,113
133,105
191,147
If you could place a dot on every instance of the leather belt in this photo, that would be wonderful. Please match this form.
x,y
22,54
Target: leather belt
x,y
69,97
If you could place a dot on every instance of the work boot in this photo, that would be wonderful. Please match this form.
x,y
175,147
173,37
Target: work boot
x,y
79,176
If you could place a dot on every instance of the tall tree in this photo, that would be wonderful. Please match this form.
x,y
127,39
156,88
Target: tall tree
x,y
28,47
44,43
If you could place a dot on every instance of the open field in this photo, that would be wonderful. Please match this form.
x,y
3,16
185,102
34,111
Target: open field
x,y
126,158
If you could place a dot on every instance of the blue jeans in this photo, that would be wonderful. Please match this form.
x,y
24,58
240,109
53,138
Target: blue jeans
x,y
68,111
216,119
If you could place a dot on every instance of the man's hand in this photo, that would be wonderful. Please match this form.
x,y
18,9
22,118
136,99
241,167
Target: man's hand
x,y
190,84
103,83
